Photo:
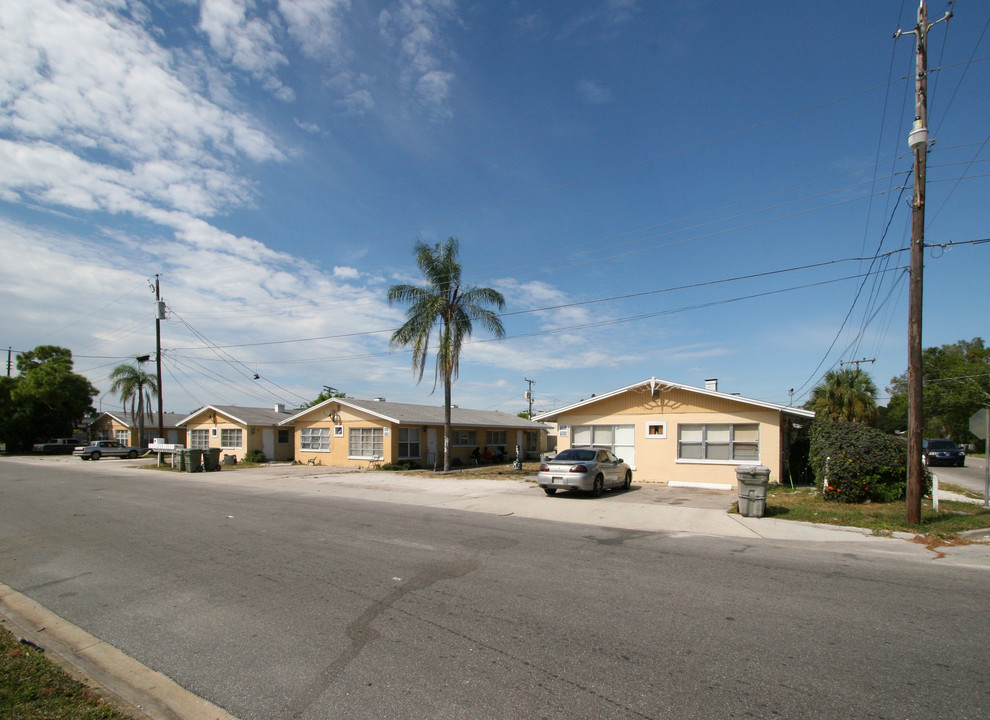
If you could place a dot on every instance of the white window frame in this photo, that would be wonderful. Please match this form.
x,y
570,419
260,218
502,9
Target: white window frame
x,y
375,442
732,444
404,440
225,437
338,431
199,439
661,435
214,432
314,439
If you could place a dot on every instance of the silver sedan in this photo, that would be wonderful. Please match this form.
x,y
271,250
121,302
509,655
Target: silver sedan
x,y
110,448
588,469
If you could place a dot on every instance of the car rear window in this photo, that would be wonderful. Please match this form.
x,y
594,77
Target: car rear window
x,y
942,445
572,454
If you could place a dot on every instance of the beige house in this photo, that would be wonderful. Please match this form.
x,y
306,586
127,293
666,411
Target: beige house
x,y
123,427
682,435
364,433
238,430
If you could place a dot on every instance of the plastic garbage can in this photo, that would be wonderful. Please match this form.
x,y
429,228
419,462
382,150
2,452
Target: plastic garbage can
x,y
179,458
211,459
193,460
752,481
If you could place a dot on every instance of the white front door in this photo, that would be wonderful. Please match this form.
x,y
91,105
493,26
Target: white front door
x,y
268,443
431,446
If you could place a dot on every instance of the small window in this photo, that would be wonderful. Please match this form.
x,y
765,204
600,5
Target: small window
x,y
283,436
656,430
338,431
214,432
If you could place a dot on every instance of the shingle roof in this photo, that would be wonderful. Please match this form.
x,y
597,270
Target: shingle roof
x,y
170,420
246,415
412,414
656,383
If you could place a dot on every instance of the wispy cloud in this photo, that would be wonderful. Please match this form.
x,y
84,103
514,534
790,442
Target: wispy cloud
x,y
247,39
416,27
593,92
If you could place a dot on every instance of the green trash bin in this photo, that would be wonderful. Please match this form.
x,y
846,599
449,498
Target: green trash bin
x,y
179,458
211,459
193,459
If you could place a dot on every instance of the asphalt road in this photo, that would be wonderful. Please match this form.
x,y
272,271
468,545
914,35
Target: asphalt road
x,y
274,604
972,476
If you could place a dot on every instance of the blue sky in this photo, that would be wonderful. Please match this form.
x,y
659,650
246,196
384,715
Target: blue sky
x,y
677,163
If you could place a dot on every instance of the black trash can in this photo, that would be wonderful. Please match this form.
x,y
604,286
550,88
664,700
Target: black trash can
x,y
211,459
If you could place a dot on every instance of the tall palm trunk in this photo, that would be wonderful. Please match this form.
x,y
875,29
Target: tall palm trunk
x,y
140,417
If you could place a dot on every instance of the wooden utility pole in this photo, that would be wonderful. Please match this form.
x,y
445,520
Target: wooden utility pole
x,y
159,315
918,141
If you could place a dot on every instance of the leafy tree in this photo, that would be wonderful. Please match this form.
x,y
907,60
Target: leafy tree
x,y
45,400
845,394
327,393
135,388
443,305
956,381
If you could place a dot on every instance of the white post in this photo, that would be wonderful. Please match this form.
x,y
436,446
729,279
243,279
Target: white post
x,y
935,492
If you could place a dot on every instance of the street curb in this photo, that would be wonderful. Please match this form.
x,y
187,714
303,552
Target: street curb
x,y
140,688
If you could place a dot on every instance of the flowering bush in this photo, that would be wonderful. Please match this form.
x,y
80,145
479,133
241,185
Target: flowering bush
x,y
859,463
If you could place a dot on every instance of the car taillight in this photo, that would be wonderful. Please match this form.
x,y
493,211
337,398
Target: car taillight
x,y
578,469
544,468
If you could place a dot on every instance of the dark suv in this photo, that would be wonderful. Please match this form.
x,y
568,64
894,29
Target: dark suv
x,y
942,452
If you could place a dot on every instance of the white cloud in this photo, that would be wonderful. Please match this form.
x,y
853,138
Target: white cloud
x,y
593,92
315,25
245,39
346,273
415,27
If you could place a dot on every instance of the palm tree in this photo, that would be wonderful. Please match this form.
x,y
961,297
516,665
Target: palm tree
x,y
443,305
135,388
845,395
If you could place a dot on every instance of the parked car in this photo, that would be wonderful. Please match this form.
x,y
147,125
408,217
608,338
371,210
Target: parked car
x,y
56,446
588,469
942,452
111,448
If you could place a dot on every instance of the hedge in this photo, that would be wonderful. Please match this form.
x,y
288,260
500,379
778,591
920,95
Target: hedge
x,y
860,463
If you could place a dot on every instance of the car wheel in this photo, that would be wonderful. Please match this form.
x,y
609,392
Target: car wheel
x,y
132,454
599,485
84,457
628,481
95,456
550,491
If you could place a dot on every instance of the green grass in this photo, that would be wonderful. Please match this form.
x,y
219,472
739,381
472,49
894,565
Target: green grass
x,y
806,505
34,688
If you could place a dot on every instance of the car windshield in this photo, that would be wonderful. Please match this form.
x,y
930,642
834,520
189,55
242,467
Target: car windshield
x,y
942,445
571,455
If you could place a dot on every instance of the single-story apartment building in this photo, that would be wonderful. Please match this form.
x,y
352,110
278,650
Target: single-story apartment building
x,y
361,433
239,430
682,435
123,427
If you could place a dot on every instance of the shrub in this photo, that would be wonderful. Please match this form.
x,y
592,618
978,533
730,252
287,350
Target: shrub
x,y
860,463
404,465
254,456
